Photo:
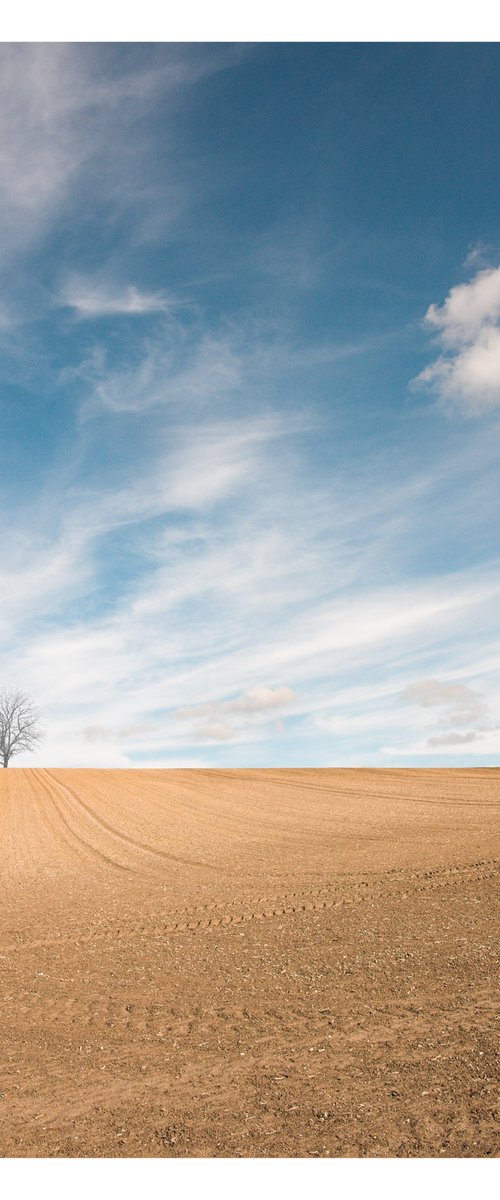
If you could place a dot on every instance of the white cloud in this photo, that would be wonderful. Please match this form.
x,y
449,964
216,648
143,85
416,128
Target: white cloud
x,y
468,308
461,704
92,299
195,472
260,699
219,458
65,112
215,731
135,668
457,704
254,700
210,470
39,574
453,739
251,575
37,158
468,325
166,372
252,706
486,744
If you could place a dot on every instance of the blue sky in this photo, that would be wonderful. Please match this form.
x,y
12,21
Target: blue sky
x,y
250,401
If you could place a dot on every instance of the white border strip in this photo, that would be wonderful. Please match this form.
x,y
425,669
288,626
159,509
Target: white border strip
x,y
261,21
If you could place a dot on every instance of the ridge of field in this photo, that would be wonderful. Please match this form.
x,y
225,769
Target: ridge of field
x,y
248,963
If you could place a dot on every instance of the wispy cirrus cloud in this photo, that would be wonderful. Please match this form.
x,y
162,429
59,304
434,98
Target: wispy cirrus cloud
x,y
218,506
467,374
247,571
62,106
90,299
52,124
173,370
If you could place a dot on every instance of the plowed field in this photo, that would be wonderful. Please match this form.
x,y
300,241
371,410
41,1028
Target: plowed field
x,y
248,963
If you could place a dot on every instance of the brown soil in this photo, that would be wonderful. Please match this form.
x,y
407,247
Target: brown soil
x,y
247,963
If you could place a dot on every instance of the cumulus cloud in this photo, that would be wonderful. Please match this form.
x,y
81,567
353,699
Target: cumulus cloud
x,y
252,706
452,739
461,704
457,704
468,307
467,373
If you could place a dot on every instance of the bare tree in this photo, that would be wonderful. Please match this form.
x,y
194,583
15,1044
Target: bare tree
x,y
19,725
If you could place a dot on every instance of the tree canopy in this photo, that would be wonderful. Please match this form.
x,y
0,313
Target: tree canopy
x,y
20,728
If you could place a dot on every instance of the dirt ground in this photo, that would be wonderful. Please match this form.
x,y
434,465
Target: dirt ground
x,y
248,963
